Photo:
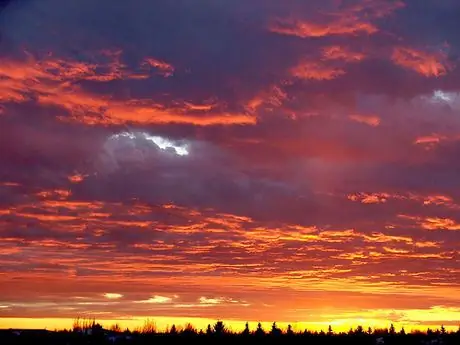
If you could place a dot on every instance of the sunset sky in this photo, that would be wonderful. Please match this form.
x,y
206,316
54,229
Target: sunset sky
x,y
244,160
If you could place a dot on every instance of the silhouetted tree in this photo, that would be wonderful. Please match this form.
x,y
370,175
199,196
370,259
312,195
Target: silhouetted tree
x,y
275,330
289,330
189,329
259,331
392,330
173,330
402,332
97,332
369,330
149,327
219,328
329,330
83,324
246,330
306,332
115,328
443,330
209,330
359,330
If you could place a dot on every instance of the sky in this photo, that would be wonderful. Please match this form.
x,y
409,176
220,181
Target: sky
x,y
264,160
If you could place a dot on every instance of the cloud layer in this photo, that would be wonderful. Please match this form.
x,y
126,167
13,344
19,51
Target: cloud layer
x,y
230,160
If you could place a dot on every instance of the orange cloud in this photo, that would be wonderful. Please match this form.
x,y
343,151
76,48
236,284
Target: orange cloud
x,y
429,139
438,200
147,112
9,184
156,300
341,53
165,68
426,64
427,244
110,295
350,20
306,29
269,99
370,120
62,194
168,242
77,178
395,250
51,82
434,223
365,198
315,71
369,198
200,107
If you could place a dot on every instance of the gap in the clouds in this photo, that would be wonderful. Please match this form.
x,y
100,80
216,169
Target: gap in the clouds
x,y
165,144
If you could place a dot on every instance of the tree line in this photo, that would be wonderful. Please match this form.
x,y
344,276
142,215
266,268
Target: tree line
x,y
88,331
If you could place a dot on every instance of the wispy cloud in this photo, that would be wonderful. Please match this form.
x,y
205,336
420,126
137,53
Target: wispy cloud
x,y
110,295
156,300
427,64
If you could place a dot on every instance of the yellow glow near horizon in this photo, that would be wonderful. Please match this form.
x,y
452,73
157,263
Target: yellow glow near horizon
x,y
164,323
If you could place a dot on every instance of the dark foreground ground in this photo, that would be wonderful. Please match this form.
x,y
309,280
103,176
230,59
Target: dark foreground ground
x,y
11,337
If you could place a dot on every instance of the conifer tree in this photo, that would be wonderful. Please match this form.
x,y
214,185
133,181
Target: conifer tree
x,y
209,330
275,330
173,330
246,330
392,330
259,331
219,328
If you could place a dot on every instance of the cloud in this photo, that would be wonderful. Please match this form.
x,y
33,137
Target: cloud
x,y
428,140
110,295
315,71
165,68
435,223
370,120
341,53
350,19
305,29
204,300
428,65
55,88
369,198
157,300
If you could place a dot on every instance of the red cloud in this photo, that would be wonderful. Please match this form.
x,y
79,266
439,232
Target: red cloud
x,y
426,64
165,68
370,120
315,71
351,20
434,223
52,83
341,53
305,29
